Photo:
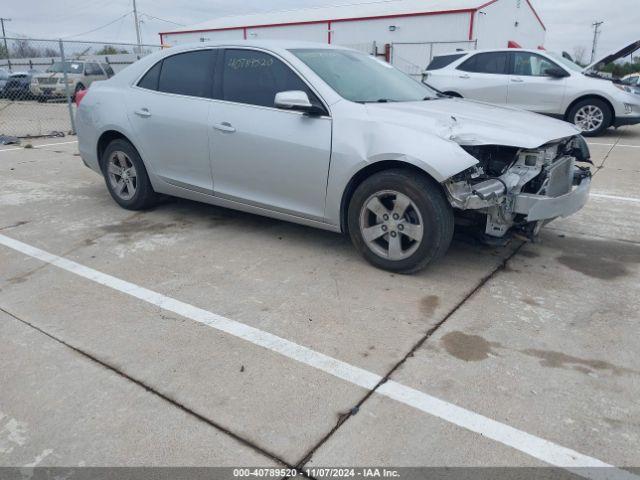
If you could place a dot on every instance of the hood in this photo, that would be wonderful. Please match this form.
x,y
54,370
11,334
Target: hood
x,y
613,56
468,122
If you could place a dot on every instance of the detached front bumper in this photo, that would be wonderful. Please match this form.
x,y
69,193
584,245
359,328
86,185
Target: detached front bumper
x,y
540,207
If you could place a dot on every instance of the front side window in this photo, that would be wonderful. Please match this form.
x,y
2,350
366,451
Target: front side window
x,y
109,71
255,78
188,73
492,62
361,78
93,69
531,64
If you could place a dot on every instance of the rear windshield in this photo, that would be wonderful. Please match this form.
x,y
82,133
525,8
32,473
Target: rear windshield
x,y
444,60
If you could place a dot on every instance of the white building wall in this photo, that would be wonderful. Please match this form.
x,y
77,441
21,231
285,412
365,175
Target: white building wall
x,y
497,26
312,32
422,28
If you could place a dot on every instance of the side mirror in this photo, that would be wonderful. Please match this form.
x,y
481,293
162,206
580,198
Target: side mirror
x,y
297,100
556,72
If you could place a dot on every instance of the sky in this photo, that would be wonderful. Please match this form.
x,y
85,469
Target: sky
x,y
568,21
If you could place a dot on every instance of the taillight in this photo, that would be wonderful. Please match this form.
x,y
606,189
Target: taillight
x,y
79,96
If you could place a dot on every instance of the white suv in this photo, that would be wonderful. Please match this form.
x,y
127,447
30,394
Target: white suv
x,y
541,82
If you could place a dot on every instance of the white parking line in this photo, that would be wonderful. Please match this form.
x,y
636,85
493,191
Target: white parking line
x,y
37,146
615,197
536,447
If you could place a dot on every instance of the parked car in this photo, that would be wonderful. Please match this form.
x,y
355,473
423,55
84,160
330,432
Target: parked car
x,y
331,138
18,86
4,76
80,75
541,82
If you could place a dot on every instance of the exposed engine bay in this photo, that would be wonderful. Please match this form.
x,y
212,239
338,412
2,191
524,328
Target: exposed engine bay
x,y
521,190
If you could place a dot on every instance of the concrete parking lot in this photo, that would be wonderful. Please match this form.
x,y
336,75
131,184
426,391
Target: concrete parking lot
x,y
192,335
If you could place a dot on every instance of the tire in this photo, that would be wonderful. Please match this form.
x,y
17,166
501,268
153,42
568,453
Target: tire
x,y
592,116
427,208
133,191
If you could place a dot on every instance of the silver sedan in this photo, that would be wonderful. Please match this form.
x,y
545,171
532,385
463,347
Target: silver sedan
x,y
332,138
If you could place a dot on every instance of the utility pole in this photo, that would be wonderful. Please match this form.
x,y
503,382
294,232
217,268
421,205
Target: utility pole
x,y
596,34
4,38
135,19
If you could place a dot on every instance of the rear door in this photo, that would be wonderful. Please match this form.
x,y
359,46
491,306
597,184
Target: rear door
x,y
530,88
169,110
262,155
483,77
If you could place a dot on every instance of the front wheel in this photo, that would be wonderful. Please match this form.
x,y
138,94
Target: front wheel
x,y
400,220
592,116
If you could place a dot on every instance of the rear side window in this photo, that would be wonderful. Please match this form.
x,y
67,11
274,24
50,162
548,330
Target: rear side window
x,y
187,73
443,61
254,78
150,80
493,62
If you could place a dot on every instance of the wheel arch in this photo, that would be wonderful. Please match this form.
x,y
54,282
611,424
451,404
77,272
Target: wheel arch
x,y
365,173
612,110
106,138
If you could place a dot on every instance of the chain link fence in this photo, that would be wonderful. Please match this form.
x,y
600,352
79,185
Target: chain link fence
x,y
39,79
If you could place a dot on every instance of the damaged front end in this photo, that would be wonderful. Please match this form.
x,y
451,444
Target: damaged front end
x,y
520,190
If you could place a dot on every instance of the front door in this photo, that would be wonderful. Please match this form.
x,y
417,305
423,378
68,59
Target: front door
x,y
483,77
261,155
169,111
530,88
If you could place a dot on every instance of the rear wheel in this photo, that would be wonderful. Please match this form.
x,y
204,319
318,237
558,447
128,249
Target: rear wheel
x,y
592,116
400,220
126,176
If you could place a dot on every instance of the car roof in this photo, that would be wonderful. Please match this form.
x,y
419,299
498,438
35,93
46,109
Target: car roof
x,y
493,50
267,44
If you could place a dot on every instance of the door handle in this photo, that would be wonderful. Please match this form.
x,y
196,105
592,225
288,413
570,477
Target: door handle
x,y
517,80
224,127
143,112
465,76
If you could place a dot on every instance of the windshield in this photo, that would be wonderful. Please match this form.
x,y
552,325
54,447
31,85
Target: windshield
x,y
362,78
566,62
70,67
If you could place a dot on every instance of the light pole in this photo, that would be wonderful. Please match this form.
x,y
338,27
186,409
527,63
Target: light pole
x,y
4,38
596,34
135,19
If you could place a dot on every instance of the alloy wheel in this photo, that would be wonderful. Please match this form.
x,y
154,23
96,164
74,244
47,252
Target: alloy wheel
x,y
589,118
123,177
391,225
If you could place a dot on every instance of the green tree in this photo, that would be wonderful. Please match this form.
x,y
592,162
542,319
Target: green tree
x,y
110,50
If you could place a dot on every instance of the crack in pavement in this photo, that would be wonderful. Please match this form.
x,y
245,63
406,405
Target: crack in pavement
x,y
344,417
151,390
606,157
